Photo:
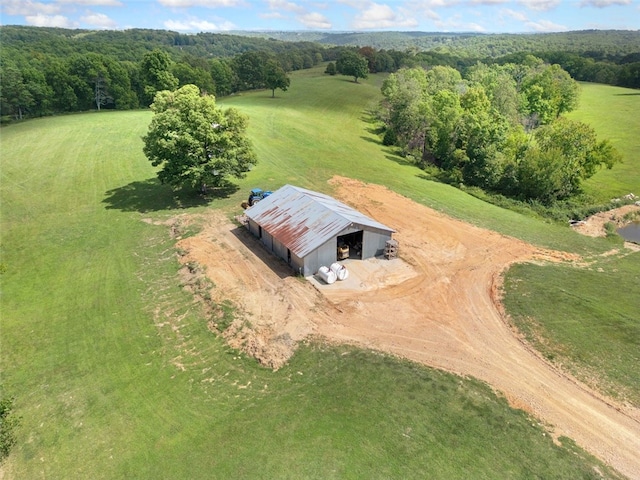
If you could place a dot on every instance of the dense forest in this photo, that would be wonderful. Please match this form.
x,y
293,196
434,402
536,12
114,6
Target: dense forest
x,y
500,128
611,44
51,70
47,71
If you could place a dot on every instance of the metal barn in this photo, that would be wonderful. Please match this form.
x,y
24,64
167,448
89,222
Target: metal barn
x,y
306,228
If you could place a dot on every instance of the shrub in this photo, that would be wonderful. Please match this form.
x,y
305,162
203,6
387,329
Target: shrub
x,y
611,229
8,423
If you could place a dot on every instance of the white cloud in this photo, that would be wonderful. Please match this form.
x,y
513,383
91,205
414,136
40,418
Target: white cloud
x,y
319,5
488,2
196,25
286,6
546,26
426,8
272,15
312,20
474,27
98,20
507,12
315,20
93,3
603,3
40,20
381,16
357,4
540,5
28,7
434,3
200,3
455,24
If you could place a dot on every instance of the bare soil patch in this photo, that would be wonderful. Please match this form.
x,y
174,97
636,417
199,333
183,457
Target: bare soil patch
x,y
438,305
594,226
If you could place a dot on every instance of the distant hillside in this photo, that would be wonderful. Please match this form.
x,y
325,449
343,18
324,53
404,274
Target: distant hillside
x,y
132,44
597,43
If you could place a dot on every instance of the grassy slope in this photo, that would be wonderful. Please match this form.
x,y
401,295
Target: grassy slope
x,y
305,136
613,113
104,393
587,319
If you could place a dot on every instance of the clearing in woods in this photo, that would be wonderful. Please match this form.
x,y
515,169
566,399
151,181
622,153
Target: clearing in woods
x,y
438,305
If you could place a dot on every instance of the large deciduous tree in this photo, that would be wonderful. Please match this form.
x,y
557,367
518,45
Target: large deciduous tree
x,y
155,71
576,152
275,77
194,142
353,64
15,97
249,68
223,76
550,91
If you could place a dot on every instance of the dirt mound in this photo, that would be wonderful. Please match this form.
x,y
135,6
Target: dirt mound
x,y
442,309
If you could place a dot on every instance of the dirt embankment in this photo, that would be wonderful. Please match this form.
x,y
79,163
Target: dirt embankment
x,y
594,226
441,308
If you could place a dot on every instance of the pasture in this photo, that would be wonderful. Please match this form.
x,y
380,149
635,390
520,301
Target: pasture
x,y
613,113
115,373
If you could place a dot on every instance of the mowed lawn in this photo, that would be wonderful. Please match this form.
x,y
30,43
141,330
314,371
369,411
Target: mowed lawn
x,y
613,113
115,374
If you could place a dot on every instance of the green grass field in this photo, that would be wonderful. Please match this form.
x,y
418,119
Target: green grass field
x,y
588,320
115,373
613,113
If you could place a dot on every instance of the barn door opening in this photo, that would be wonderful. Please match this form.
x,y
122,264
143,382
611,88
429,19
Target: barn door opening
x,y
349,246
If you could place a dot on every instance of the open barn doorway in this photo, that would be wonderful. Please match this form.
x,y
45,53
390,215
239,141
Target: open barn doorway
x,y
350,246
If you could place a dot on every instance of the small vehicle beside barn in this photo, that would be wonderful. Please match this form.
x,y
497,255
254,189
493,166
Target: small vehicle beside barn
x,y
256,195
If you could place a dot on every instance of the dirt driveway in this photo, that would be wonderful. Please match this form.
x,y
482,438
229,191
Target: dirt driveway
x,y
442,310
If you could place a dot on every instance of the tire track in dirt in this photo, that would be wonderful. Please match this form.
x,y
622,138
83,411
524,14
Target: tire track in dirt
x,y
446,316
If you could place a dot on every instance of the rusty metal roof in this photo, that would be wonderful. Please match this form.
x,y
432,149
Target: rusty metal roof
x,y
302,220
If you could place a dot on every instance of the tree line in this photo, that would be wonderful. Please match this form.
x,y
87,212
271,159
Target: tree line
x,y
80,82
601,56
500,128
605,44
47,71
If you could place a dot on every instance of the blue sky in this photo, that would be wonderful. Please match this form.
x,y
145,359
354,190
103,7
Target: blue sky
x,y
191,16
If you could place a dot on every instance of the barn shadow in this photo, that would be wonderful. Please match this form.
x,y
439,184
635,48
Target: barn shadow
x,y
276,264
151,196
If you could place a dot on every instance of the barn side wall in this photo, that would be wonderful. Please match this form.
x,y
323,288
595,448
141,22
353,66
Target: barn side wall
x,y
276,247
324,255
279,249
253,227
373,242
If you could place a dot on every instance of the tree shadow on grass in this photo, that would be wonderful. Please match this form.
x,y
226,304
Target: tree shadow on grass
x,y
371,140
404,161
151,196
